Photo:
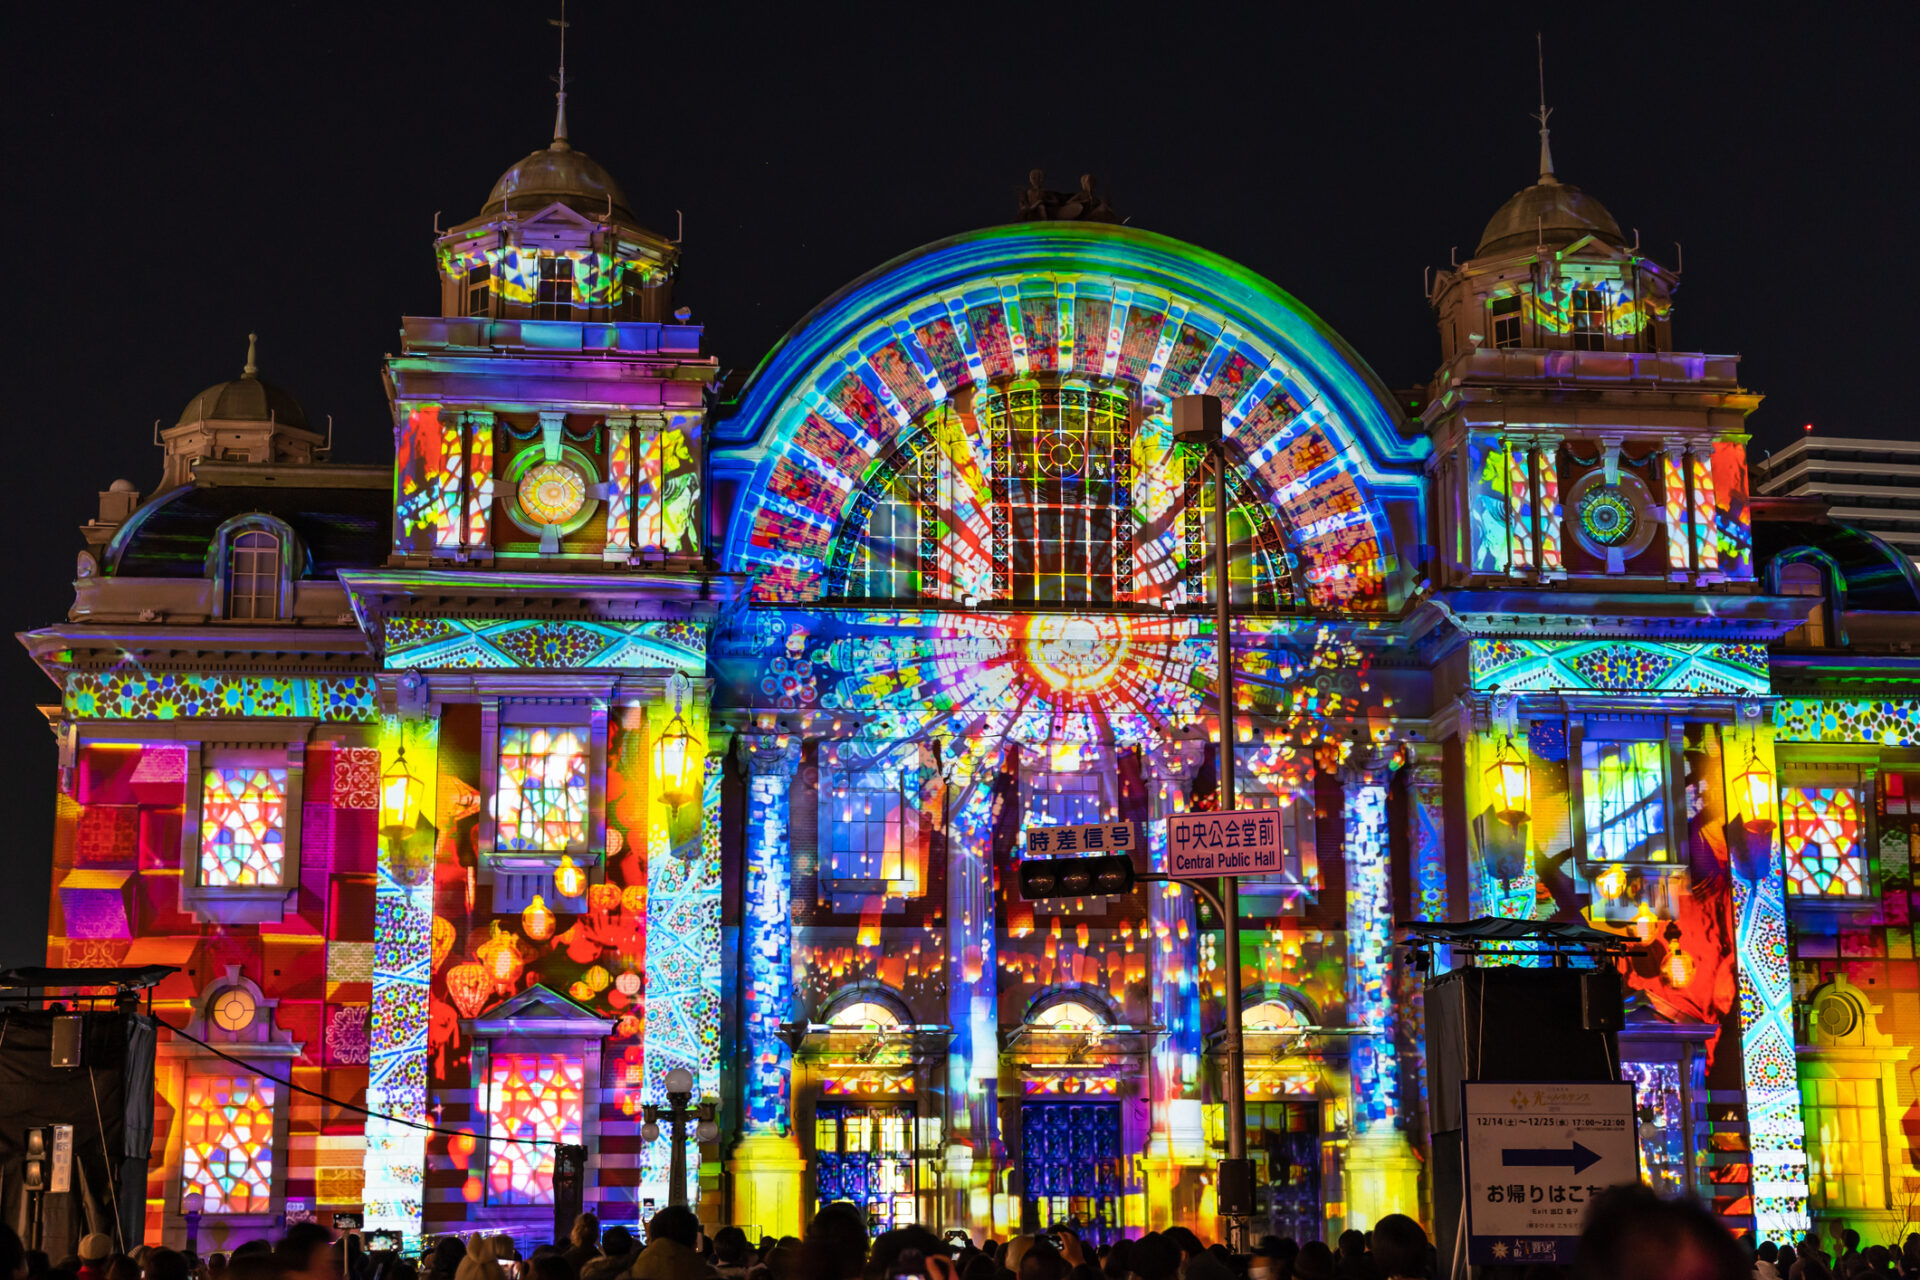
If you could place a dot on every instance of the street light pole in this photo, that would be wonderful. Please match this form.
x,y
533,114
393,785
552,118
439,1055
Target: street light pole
x,y
678,1111
1197,421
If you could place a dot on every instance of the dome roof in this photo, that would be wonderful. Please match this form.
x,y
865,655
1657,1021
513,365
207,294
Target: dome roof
x,y
247,398
557,172
1551,213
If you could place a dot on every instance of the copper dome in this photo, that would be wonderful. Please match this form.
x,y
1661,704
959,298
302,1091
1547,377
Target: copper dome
x,y
1549,213
559,173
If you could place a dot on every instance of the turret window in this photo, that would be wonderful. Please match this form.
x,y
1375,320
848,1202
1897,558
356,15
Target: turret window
x,y
556,289
1506,322
1587,316
479,289
253,577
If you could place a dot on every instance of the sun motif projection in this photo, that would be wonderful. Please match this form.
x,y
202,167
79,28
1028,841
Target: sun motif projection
x,y
543,788
535,1101
1823,833
243,824
967,401
228,1156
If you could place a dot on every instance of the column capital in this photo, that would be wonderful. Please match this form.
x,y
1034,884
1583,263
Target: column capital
x,y
770,753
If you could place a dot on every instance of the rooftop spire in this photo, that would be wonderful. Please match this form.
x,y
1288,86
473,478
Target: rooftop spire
x,y
252,370
1546,151
560,142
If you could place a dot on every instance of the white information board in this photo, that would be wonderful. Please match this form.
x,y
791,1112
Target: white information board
x,y
1239,842
1536,1156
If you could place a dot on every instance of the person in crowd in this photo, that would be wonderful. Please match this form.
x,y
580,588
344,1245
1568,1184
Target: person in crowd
x,y
444,1262
672,1252
1849,1260
306,1252
730,1253
551,1265
1632,1234
584,1240
1810,1261
616,1255
1351,1261
1186,1242
1314,1262
1399,1248
479,1264
835,1247
95,1249
122,1267
1764,1259
166,1264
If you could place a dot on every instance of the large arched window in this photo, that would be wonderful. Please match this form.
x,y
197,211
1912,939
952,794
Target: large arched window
x,y
1066,492
253,577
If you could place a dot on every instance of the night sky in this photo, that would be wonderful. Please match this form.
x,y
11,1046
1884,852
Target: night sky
x,y
183,174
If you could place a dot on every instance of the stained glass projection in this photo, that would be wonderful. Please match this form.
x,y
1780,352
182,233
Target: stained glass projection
x,y
865,1154
1062,481
1846,1155
869,837
1071,1162
227,1159
243,824
542,800
533,1101
1826,850
1625,803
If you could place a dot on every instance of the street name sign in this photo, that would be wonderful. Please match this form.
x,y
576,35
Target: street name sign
x,y
1239,842
1097,837
1537,1154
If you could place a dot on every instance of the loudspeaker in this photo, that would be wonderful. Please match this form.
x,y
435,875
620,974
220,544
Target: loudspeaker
x,y
67,1037
1601,1001
1234,1189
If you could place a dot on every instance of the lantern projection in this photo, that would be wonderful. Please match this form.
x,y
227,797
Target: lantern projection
x,y
469,984
537,920
500,953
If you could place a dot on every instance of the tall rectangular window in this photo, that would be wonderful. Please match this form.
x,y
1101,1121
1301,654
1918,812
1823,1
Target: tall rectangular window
x,y
1506,322
869,827
479,289
253,577
556,289
1846,1154
534,1100
243,827
1825,836
1587,318
541,803
227,1149
1625,800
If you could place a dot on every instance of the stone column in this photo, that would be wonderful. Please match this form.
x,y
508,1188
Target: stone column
x,y
973,1012
766,1163
1382,1174
1176,1151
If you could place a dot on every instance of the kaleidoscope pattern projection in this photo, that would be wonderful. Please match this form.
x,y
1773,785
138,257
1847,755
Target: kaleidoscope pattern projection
x,y
683,967
1624,786
1777,1136
541,802
428,473
1890,722
599,279
1825,838
1051,302
395,1159
243,827
769,969
227,1154
1620,666
544,645
533,1101
1376,1076
130,692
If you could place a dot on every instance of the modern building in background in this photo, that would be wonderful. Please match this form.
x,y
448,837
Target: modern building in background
x,y
1870,484
629,722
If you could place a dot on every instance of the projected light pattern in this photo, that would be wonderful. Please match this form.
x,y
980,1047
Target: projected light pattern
x,y
541,804
243,827
543,644
1825,839
1626,666
1890,722
597,280
1626,812
1054,301
533,1101
768,991
130,692
395,1159
1376,1077
227,1143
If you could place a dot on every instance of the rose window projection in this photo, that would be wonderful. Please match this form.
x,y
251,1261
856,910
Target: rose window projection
x,y
1821,827
227,1158
243,823
552,493
535,1101
542,801
1626,812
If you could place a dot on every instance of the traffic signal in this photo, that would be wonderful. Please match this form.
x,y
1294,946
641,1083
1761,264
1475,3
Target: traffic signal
x,y
1074,877
33,1159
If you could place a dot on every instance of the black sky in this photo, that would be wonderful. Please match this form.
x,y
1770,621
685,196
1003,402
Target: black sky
x,y
182,174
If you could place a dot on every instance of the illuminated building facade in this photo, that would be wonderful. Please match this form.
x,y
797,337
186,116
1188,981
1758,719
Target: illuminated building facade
x,y
626,725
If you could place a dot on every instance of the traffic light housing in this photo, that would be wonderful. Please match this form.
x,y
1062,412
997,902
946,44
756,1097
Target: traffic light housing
x,y
1075,877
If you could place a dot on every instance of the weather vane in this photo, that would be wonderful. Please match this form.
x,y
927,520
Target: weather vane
x,y
560,114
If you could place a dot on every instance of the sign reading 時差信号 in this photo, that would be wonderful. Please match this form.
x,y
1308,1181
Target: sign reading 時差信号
x,y
1241,842
1098,837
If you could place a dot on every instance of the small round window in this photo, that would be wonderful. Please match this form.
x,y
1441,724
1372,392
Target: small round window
x,y
233,1009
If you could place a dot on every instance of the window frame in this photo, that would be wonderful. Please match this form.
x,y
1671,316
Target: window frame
x,y
1587,324
1506,320
556,278
478,285
517,874
840,761
1583,726
241,904
290,561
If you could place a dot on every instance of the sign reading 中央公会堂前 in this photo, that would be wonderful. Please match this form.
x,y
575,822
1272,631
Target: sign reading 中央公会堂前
x,y
1240,842
1536,1156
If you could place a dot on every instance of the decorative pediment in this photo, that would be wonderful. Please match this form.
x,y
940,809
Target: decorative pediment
x,y
541,1011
